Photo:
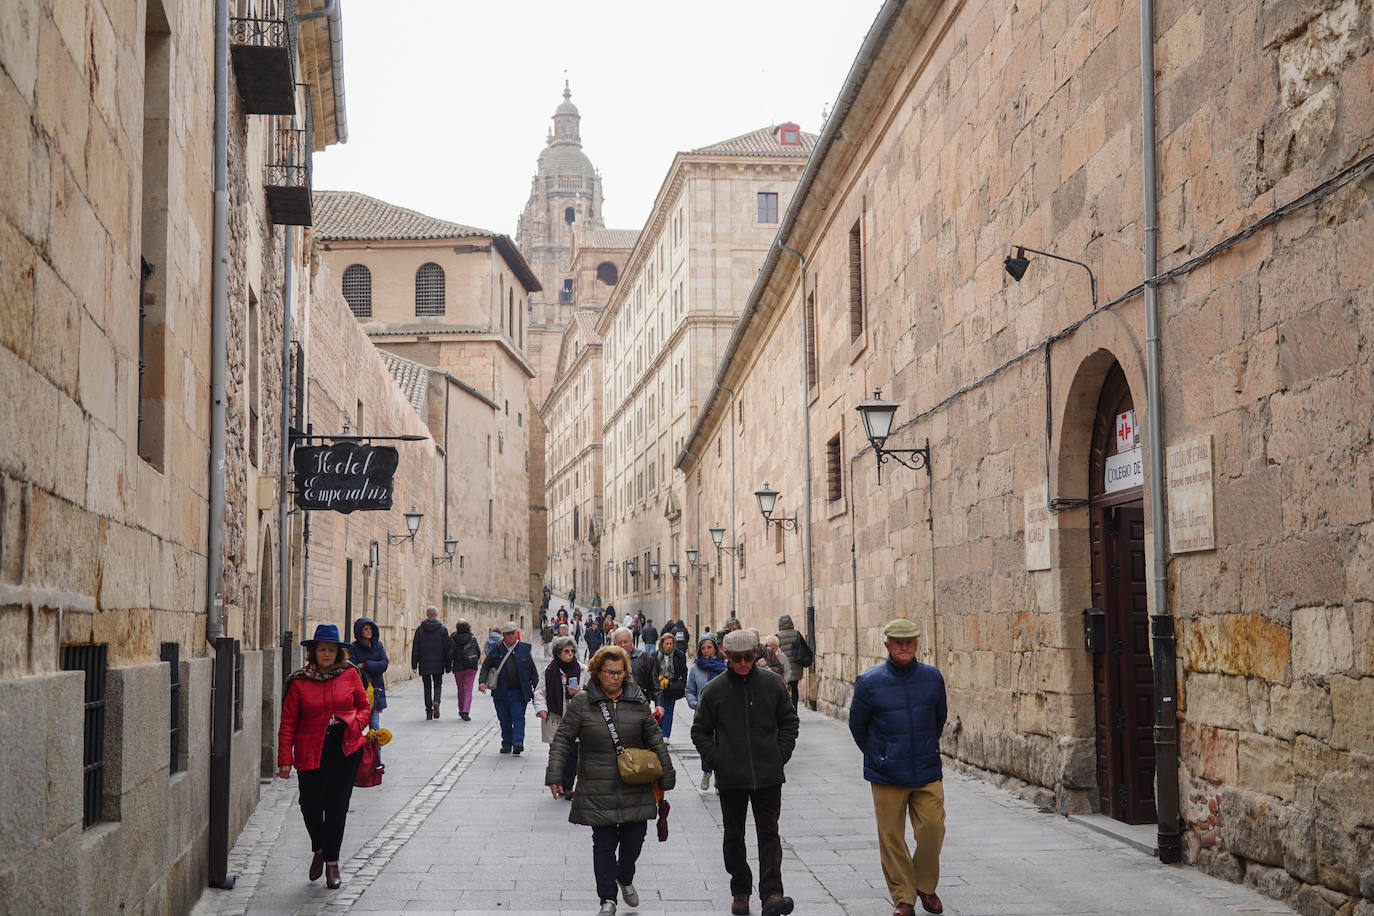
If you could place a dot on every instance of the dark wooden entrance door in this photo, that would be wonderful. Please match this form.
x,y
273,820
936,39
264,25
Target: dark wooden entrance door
x,y
1123,678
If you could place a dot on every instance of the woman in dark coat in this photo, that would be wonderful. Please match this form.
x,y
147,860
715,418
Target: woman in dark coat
x,y
670,663
466,659
617,812
323,715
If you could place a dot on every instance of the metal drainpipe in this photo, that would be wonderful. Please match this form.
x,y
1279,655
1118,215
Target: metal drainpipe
x,y
734,434
1161,621
806,462
219,307
335,26
284,543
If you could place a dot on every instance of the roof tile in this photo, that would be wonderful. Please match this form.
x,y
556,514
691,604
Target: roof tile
x,y
349,216
761,142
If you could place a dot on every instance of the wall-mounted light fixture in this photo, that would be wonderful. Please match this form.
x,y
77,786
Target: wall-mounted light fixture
x,y
768,501
673,569
412,526
718,538
1016,266
450,548
653,570
877,415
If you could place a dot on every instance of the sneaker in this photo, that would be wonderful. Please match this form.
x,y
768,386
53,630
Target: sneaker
x,y
630,894
465,717
569,795
607,908
777,905
518,750
705,780
505,749
739,906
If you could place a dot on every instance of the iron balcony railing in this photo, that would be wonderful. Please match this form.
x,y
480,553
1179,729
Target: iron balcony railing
x,y
287,178
262,42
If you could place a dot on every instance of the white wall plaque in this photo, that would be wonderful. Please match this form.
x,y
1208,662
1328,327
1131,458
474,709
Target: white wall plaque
x,y
1123,471
1038,523
1191,510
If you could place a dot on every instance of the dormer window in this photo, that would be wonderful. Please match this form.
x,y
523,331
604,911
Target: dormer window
x,y
789,135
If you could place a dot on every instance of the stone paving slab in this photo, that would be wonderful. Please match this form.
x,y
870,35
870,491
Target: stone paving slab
x,y
456,828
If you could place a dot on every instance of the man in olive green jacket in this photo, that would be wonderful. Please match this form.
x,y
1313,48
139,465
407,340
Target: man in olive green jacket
x,y
745,730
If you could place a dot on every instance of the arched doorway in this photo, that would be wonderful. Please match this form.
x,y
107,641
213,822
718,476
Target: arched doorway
x,y
1123,679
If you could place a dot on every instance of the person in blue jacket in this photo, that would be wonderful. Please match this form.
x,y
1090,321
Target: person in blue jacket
x,y
515,680
368,653
896,716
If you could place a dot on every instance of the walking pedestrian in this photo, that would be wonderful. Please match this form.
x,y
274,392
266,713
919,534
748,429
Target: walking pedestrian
x,y
429,655
671,671
546,635
648,634
731,625
577,630
708,663
562,681
746,729
612,710
775,660
508,672
797,650
466,659
368,653
323,714
896,716
596,635
643,671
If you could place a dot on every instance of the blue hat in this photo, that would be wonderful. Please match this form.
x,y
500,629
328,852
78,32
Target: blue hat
x,y
325,632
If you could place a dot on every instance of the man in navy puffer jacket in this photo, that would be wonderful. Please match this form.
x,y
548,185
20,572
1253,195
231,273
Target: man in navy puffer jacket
x,y
896,717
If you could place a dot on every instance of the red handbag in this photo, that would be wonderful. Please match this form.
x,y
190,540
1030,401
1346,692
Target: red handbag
x,y
370,768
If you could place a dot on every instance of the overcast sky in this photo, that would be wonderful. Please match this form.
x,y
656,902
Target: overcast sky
x,y
449,101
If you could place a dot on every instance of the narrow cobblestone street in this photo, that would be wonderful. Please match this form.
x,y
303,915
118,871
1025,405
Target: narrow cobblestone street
x,y
457,828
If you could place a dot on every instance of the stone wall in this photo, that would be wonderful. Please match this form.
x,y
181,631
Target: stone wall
x,y
979,128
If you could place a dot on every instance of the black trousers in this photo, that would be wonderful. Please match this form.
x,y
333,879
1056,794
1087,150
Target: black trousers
x,y
434,688
325,793
792,692
615,850
767,805
570,768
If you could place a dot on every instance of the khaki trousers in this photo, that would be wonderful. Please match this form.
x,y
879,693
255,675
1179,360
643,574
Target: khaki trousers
x,y
908,872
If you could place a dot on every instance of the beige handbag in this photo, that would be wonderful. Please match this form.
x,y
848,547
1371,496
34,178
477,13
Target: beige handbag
x,y
638,765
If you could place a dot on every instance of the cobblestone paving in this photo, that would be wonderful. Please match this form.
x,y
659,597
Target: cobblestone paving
x,y
457,828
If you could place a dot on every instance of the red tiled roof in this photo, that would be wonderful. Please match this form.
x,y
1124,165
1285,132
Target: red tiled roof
x,y
761,142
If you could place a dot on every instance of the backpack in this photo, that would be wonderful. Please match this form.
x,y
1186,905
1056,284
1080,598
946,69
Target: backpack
x,y
471,654
805,657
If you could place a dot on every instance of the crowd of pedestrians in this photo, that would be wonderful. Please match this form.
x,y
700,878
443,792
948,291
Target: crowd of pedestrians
x,y
604,695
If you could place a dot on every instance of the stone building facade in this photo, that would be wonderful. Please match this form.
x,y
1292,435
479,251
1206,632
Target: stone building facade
x,y
965,131
571,414
449,297
107,228
664,329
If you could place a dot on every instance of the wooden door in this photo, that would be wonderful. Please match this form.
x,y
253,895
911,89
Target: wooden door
x,y
1123,676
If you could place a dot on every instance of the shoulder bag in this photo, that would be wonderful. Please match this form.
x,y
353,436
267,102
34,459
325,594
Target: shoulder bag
x,y
638,766
805,657
494,676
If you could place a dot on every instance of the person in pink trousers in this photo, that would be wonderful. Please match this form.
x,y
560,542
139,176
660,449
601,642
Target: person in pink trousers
x,y
466,658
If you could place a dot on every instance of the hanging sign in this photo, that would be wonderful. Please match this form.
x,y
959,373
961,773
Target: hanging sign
x,y
1123,471
1127,437
344,477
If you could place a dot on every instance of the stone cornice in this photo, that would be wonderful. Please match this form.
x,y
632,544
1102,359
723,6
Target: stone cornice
x,y
678,333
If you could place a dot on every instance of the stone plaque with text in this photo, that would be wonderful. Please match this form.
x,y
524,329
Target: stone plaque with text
x,y
1191,514
1038,523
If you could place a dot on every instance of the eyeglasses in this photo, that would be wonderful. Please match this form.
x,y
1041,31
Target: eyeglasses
x,y
605,673
566,651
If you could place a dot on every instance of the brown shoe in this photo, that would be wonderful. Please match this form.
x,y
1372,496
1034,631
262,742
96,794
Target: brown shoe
x,y
317,866
331,875
436,710
429,713
778,905
931,902
740,905
904,909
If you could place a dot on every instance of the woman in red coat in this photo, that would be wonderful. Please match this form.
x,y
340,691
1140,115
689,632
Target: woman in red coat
x,y
323,716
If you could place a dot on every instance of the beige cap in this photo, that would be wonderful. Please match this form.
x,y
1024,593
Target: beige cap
x,y
510,626
740,642
901,628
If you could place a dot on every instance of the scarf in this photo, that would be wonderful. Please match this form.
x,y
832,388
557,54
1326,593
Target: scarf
x,y
555,680
311,673
665,665
712,666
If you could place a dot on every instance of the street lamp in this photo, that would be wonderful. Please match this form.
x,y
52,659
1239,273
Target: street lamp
x,y
718,536
450,548
1016,266
768,501
412,525
653,570
877,415
673,569
692,555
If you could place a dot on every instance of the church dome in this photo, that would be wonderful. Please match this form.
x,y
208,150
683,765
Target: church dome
x,y
563,159
566,107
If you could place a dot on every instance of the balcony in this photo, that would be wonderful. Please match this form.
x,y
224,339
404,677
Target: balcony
x,y
287,180
262,42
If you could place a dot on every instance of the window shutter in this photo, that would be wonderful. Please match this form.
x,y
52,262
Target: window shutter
x,y
856,282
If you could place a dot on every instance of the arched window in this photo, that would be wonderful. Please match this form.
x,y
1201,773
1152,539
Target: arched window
x,y
511,308
606,272
429,290
569,215
357,290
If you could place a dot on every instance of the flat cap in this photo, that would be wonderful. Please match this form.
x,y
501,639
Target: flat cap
x,y
901,628
740,642
510,626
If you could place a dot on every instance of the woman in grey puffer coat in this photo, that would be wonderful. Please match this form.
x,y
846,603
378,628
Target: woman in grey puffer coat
x,y
617,812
